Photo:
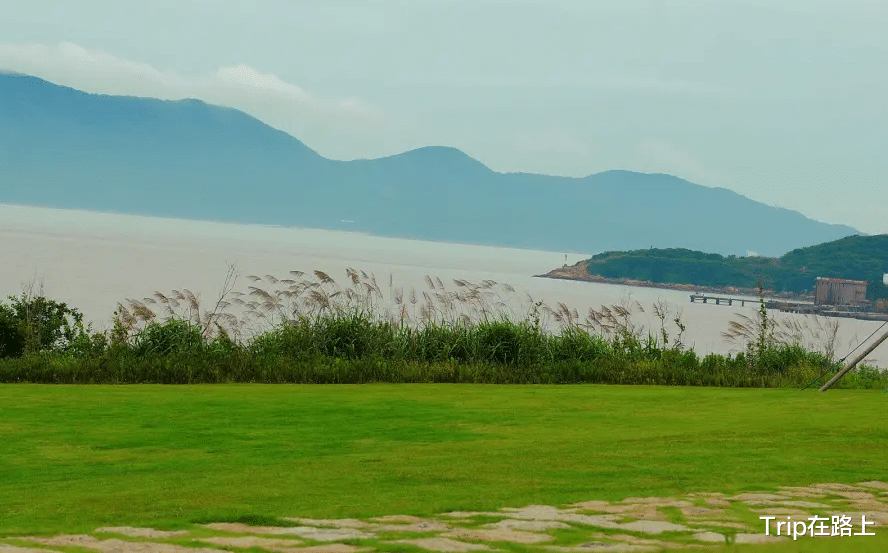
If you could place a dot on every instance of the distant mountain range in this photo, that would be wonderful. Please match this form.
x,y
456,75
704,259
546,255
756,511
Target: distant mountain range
x,y
65,148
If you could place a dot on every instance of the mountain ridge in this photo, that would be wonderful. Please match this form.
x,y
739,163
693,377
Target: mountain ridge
x,y
187,158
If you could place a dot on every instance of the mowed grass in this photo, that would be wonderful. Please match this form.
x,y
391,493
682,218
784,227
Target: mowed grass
x,y
73,458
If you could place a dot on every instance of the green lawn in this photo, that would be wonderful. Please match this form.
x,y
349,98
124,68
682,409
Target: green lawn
x,y
73,458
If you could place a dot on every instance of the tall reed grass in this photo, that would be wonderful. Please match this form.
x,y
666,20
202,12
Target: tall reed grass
x,y
309,328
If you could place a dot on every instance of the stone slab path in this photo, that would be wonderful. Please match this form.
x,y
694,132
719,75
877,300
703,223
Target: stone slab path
x,y
696,521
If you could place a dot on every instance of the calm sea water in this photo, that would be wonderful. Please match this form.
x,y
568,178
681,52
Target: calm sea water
x,y
93,261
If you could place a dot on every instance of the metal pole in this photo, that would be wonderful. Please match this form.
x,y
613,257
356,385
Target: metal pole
x,y
853,362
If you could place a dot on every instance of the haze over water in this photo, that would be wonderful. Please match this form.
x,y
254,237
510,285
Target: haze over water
x,y
93,261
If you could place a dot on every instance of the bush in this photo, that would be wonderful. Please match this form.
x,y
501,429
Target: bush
x,y
12,340
35,324
172,336
85,345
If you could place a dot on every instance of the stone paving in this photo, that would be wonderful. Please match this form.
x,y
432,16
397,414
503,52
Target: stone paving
x,y
696,521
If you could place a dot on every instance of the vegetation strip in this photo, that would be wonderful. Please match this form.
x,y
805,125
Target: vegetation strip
x,y
309,329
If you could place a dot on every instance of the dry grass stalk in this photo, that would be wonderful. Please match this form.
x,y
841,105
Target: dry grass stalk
x,y
270,302
813,332
136,314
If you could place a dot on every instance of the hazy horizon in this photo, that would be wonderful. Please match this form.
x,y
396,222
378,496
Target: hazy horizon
x,y
782,104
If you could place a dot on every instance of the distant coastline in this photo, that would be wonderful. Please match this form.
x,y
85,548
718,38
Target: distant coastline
x,y
579,271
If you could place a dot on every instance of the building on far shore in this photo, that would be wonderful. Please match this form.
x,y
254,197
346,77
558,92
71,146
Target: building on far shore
x,y
840,291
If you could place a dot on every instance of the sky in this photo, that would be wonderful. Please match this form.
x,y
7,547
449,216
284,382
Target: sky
x,y
783,102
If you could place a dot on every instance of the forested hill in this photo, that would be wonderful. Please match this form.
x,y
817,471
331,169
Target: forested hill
x,y
854,257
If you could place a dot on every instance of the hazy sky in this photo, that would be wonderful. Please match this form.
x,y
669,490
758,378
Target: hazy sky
x,y
784,101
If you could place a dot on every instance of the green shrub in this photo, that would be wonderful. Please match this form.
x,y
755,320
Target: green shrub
x,y
12,340
172,336
86,345
34,324
501,342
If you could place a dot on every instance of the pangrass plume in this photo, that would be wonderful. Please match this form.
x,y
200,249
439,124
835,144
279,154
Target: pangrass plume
x,y
309,327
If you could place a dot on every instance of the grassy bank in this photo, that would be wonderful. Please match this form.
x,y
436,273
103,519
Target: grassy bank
x,y
312,330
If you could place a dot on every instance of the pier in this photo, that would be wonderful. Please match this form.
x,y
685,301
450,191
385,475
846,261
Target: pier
x,y
719,300
846,311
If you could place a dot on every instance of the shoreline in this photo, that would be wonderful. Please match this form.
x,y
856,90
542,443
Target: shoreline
x,y
580,272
